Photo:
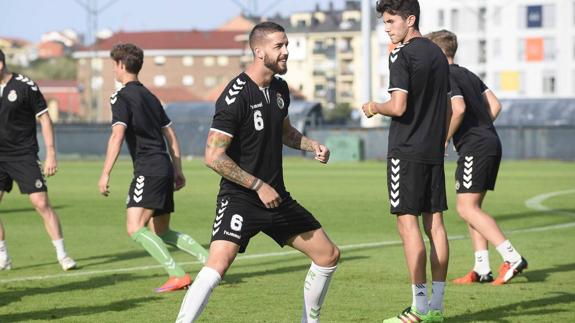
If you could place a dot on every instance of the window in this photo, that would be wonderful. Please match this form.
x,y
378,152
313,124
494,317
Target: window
x,y
159,80
188,80
482,17
223,60
496,48
440,18
549,82
209,61
96,64
537,16
496,16
549,50
188,60
536,49
97,82
482,54
210,81
454,19
160,60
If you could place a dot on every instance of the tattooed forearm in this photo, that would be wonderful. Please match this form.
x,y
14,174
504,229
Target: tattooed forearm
x,y
227,168
294,139
217,160
217,141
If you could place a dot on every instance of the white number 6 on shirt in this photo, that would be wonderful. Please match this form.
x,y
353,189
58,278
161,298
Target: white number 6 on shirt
x,y
258,120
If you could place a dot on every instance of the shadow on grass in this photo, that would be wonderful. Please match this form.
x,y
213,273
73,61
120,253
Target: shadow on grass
x,y
237,278
15,295
28,209
84,262
507,313
542,274
75,311
504,217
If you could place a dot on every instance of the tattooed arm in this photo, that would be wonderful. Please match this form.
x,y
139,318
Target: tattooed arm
x,y
217,159
294,139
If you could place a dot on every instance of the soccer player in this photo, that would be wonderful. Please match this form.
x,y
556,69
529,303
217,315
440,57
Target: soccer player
x,y
138,116
475,107
21,103
419,86
244,146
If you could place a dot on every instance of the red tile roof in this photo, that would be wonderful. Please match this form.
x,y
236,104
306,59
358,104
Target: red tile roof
x,y
193,39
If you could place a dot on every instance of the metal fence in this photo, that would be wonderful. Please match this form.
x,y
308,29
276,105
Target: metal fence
x,y
519,142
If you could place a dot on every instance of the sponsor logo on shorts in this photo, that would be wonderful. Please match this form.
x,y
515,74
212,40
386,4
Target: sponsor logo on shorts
x,y
38,183
457,185
231,234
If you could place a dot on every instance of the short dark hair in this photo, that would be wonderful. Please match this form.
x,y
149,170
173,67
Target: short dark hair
x,y
263,29
446,40
130,55
403,8
2,58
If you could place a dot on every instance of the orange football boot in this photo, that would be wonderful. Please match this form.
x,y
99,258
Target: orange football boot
x,y
175,283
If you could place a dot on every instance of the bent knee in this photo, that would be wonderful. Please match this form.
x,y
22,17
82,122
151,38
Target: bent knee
x,y
466,210
336,254
329,257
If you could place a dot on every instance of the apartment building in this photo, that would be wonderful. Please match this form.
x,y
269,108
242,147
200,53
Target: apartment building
x,y
521,48
179,65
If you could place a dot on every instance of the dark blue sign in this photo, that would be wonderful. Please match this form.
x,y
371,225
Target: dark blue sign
x,y
534,16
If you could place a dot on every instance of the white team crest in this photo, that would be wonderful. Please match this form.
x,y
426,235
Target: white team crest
x,y
457,185
12,96
38,183
280,101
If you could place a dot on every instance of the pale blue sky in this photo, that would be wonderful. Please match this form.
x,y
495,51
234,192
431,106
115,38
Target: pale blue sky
x,y
29,19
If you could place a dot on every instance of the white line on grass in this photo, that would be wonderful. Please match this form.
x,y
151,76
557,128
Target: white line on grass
x,y
534,203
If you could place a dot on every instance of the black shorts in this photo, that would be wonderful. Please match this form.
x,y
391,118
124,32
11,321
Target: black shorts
x,y
27,173
152,192
476,174
239,219
415,188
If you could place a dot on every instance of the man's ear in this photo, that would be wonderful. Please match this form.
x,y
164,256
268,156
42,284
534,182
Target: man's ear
x,y
259,53
411,20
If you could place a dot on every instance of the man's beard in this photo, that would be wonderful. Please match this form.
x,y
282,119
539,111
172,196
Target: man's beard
x,y
274,66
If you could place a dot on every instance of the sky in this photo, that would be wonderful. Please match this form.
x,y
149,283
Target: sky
x,y
19,20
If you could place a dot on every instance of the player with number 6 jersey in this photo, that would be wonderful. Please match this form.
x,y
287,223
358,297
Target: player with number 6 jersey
x,y
244,146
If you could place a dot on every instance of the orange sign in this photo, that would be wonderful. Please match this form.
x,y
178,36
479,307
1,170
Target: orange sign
x,y
534,49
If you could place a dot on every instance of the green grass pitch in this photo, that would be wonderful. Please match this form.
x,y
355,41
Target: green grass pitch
x,y
116,278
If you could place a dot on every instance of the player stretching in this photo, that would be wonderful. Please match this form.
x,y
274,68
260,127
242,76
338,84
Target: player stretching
x,y
21,103
139,116
475,107
419,86
244,146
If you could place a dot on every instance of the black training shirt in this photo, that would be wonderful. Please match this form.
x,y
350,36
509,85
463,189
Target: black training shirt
x,y
254,118
476,134
420,69
21,103
136,108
